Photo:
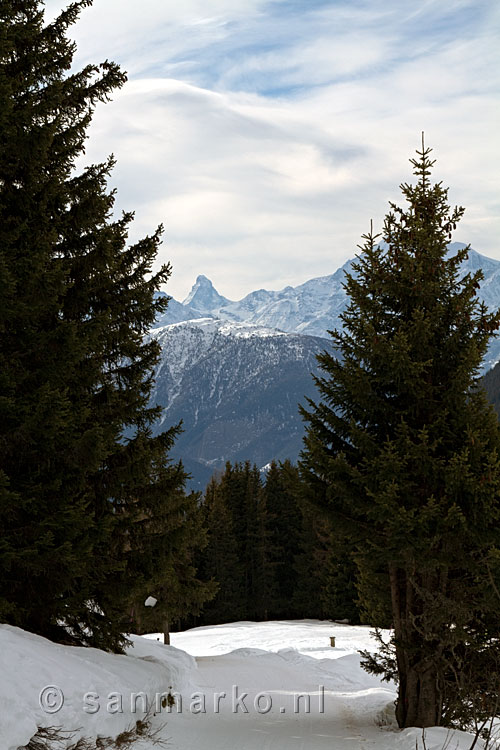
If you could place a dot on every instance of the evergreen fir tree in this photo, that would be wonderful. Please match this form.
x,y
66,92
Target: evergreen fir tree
x,y
402,450
241,488
220,561
339,596
283,536
80,503
259,578
309,564
320,591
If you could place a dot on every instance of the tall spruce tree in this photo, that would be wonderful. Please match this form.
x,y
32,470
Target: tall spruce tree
x,y
220,558
339,596
402,450
80,504
238,550
283,522
241,486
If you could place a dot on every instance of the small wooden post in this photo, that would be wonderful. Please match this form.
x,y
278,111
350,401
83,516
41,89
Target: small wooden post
x,y
332,641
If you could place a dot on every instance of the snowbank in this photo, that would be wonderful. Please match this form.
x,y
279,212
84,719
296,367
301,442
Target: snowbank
x,y
309,637
100,693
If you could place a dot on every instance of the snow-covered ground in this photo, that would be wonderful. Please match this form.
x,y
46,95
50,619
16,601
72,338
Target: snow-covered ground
x,y
241,686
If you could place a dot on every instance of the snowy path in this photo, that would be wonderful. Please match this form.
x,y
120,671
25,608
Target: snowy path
x,y
347,721
280,660
339,719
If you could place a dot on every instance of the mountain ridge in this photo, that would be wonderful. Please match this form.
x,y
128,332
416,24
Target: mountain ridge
x,y
313,307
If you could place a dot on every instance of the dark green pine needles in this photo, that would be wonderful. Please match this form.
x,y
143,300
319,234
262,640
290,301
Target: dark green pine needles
x,y
402,451
88,519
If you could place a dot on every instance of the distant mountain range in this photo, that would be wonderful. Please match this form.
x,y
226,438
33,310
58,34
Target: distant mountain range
x,y
234,372
311,308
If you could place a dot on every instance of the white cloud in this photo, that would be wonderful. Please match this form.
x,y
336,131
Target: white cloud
x,y
266,139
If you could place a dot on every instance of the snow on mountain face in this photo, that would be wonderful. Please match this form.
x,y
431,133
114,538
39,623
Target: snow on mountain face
x,y
185,344
490,286
204,297
236,387
313,307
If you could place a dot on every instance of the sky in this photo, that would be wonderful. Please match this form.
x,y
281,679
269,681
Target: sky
x,y
266,134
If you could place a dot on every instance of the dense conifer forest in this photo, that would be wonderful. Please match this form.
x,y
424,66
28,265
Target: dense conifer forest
x,y
271,554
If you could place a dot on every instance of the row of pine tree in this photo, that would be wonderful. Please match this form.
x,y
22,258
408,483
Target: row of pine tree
x,y
272,555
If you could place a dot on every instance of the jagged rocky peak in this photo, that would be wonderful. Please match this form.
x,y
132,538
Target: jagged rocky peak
x,y
203,295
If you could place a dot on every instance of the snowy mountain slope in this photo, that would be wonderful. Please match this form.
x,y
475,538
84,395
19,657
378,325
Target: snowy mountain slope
x,y
311,308
314,307
236,388
245,685
186,344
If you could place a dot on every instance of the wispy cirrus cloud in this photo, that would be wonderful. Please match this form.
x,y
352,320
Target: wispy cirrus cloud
x,y
266,133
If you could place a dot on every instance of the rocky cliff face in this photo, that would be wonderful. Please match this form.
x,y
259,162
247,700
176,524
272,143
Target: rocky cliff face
x,y
236,388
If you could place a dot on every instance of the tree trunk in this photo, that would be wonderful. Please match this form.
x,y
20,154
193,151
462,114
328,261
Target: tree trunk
x,y
419,697
166,632
136,620
419,700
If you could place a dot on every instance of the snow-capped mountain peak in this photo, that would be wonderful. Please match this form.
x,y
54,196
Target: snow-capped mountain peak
x,y
203,296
